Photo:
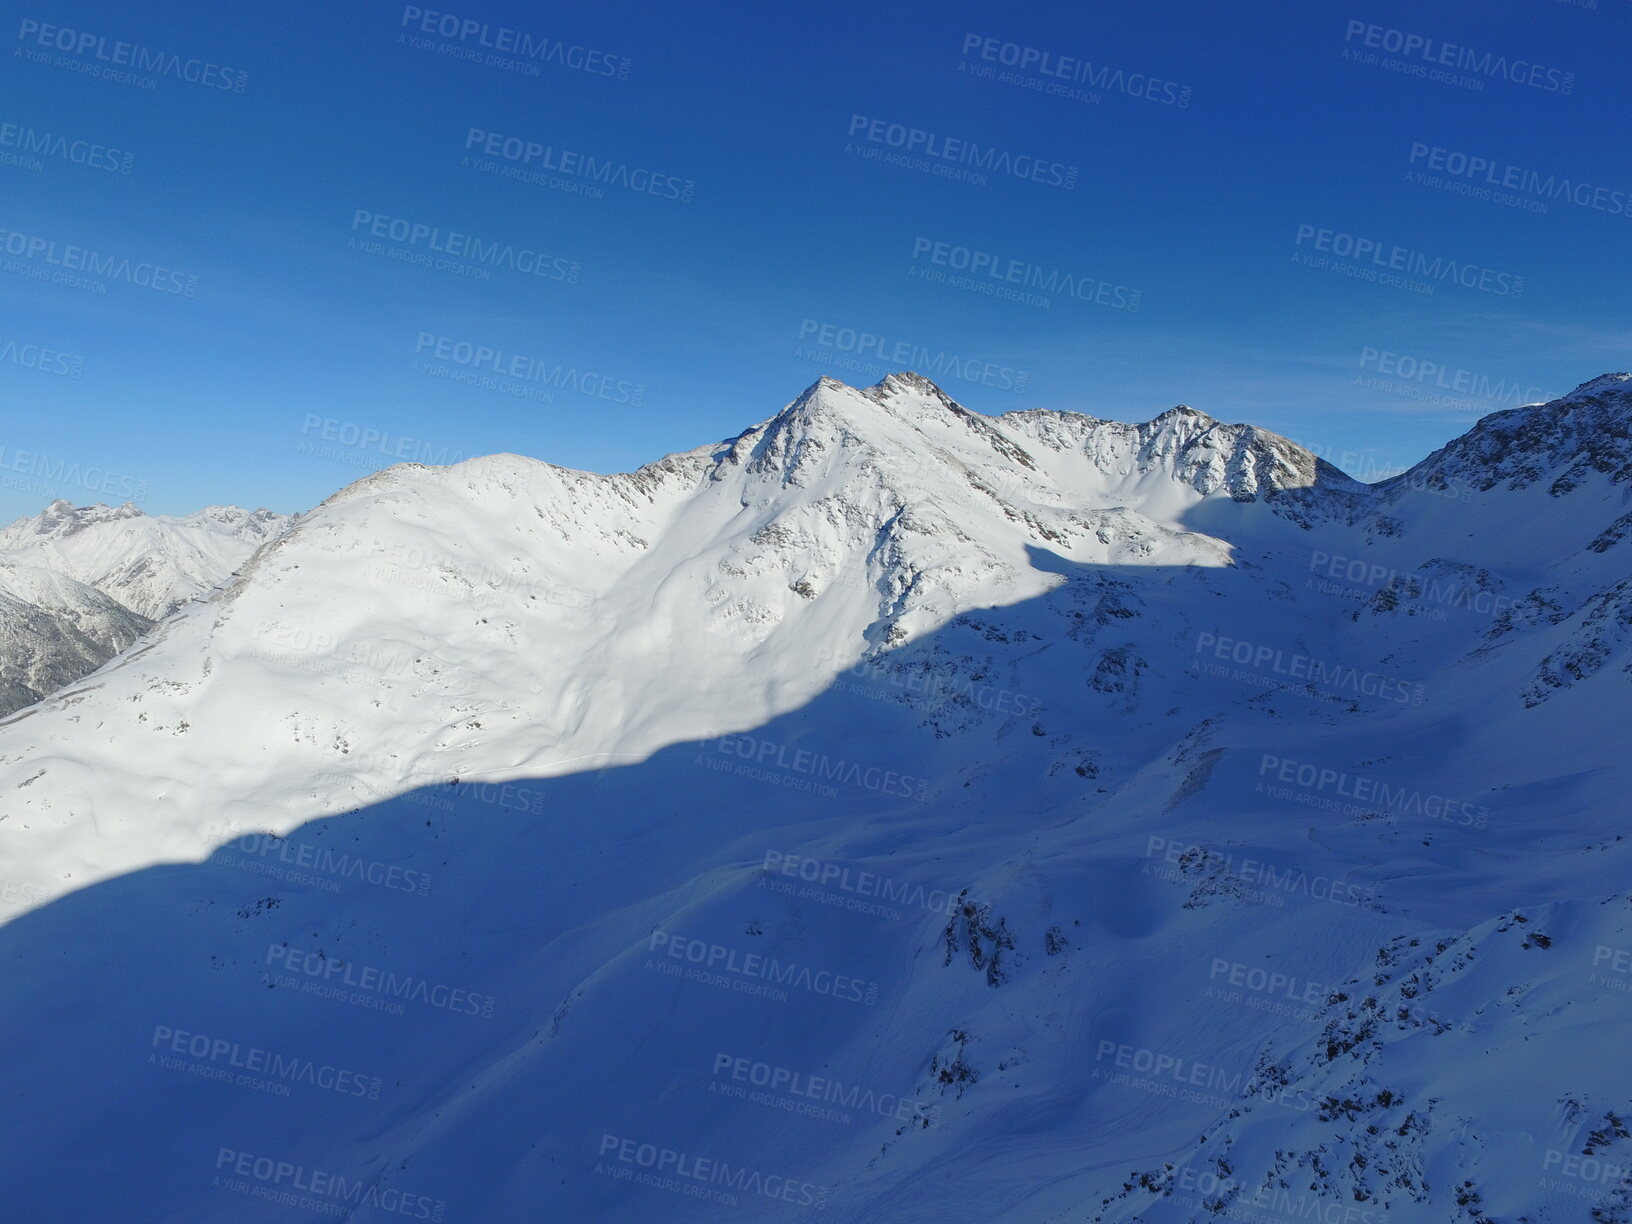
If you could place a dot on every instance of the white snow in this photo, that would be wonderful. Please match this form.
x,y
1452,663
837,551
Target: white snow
x,y
150,563
1121,688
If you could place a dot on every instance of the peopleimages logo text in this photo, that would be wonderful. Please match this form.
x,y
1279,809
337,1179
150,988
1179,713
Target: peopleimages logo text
x,y
1439,376
61,472
1263,981
1421,590
484,358
815,1092
757,966
1077,71
331,862
370,437
533,155
316,1189
1198,860
418,235
1492,173
73,258
989,266
86,153
382,982
1460,58
709,1172
773,753
131,55
953,150
904,355
527,46
1396,800
38,357
1393,258
1308,669
285,1068
862,883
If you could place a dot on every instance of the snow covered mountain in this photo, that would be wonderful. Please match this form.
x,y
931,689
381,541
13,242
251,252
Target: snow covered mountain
x,y
150,563
54,630
79,584
892,812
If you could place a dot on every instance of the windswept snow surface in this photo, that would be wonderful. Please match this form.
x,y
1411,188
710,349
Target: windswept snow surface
x,y
890,813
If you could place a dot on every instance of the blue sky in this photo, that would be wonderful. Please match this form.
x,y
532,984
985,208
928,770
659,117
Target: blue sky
x,y
1222,160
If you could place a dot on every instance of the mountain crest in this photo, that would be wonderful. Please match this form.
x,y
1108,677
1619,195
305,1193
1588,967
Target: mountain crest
x,y
1183,412
1604,382
1564,442
907,382
62,518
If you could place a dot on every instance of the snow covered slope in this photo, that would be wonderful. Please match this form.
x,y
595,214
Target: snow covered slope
x,y
888,813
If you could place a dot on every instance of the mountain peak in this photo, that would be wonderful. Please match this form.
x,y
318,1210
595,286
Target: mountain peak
x,y
1561,444
1183,412
1604,382
891,386
910,388
62,517
907,381
890,391
820,392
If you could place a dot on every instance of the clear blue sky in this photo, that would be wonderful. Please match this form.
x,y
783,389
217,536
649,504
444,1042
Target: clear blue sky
x,y
1195,199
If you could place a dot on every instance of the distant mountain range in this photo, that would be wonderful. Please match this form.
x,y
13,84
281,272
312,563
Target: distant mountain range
x,y
79,584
